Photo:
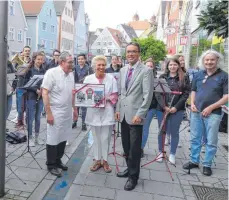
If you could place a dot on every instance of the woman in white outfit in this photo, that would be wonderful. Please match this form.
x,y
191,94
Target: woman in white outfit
x,y
102,120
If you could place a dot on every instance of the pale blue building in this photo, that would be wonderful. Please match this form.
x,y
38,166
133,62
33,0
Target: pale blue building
x,y
42,25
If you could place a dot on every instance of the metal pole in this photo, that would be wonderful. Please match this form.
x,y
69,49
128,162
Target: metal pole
x,y
3,61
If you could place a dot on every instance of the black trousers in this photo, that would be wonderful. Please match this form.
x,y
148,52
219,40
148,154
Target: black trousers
x,y
131,142
54,154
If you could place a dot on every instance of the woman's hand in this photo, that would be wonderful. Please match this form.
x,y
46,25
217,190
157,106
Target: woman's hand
x,y
173,110
193,108
167,109
39,92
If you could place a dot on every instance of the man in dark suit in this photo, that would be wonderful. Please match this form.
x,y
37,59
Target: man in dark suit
x,y
135,95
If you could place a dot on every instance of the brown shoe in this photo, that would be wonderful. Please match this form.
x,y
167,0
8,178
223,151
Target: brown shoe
x,y
106,167
96,166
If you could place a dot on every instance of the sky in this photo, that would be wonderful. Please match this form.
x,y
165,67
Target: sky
x,y
110,13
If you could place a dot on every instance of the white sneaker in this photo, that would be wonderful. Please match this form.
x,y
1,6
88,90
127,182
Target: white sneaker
x,y
68,143
172,159
160,157
31,142
38,141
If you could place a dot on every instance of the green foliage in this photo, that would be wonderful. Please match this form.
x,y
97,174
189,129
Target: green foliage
x,y
151,47
203,46
215,18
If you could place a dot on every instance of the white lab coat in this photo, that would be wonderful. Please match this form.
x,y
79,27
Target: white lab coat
x,y
60,86
102,116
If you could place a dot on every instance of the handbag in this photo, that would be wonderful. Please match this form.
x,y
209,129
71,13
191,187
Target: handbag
x,y
15,137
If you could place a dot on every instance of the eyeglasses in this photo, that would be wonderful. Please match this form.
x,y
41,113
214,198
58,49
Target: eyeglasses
x,y
205,79
132,52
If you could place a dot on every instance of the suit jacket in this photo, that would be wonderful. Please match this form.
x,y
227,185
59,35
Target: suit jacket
x,y
135,101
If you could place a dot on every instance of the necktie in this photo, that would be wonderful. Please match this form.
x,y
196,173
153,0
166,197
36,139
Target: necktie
x,y
129,76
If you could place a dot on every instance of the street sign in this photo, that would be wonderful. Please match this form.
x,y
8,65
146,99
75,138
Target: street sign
x,y
195,41
170,30
183,40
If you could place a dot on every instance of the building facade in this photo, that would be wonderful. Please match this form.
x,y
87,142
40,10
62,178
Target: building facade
x,y
17,27
42,25
65,28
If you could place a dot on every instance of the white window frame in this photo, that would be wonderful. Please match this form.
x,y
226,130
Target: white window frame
x,y
13,33
28,39
52,45
44,42
50,12
45,26
13,7
21,35
53,29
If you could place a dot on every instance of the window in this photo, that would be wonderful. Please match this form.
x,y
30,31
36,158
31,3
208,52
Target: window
x,y
43,26
66,11
50,12
98,50
105,43
19,36
28,42
52,29
98,43
110,43
63,25
11,33
11,4
44,43
109,51
52,45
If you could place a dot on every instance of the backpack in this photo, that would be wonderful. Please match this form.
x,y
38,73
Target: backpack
x,y
15,138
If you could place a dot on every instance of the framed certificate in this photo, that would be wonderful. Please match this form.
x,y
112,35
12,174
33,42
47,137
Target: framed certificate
x,y
90,95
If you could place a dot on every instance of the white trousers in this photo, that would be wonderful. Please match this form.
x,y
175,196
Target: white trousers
x,y
101,136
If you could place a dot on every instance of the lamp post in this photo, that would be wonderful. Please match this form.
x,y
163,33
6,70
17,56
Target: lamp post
x,y
3,60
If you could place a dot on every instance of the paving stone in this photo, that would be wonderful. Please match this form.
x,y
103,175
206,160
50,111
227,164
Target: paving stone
x,y
25,194
9,196
14,192
163,177
22,162
188,177
98,192
41,190
35,175
80,179
19,198
144,174
16,184
187,187
121,195
208,179
41,162
189,193
190,198
89,198
53,197
95,179
195,183
161,188
49,176
160,197
74,192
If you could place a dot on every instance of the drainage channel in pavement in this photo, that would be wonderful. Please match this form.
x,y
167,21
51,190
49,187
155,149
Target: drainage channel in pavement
x,y
61,186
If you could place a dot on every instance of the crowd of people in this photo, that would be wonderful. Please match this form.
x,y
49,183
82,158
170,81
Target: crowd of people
x,y
130,101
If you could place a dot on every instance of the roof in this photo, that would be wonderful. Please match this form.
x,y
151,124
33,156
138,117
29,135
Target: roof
x,y
148,32
116,34
75,7
139,25
92,38
130,31
32,8
59,6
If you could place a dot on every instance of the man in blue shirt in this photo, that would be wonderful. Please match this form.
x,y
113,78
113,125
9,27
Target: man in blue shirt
x,y
81,71
209,93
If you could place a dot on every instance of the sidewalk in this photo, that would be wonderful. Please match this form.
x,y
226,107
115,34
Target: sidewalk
x,y
80,184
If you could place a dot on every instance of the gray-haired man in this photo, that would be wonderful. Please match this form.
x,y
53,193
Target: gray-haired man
x,y
57,92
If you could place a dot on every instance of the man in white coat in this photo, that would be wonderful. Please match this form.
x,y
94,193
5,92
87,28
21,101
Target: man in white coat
x,y
59,100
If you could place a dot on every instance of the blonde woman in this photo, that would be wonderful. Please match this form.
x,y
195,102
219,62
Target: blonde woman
x,y
102,120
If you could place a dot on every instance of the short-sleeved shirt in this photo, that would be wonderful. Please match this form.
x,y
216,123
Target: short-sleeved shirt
x,y
209,89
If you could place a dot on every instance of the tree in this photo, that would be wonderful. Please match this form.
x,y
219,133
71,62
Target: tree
x,y
203,46
215,18
150,47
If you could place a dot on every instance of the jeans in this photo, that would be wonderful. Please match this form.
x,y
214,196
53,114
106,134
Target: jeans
x,y
173,123
9,105
20,103
147,123
199,125
84,112
33,110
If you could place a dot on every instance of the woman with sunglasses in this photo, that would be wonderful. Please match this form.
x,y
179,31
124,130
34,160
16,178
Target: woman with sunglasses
x,y
177,81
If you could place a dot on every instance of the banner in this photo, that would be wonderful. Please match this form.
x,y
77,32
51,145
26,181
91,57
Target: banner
x,y
183,40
